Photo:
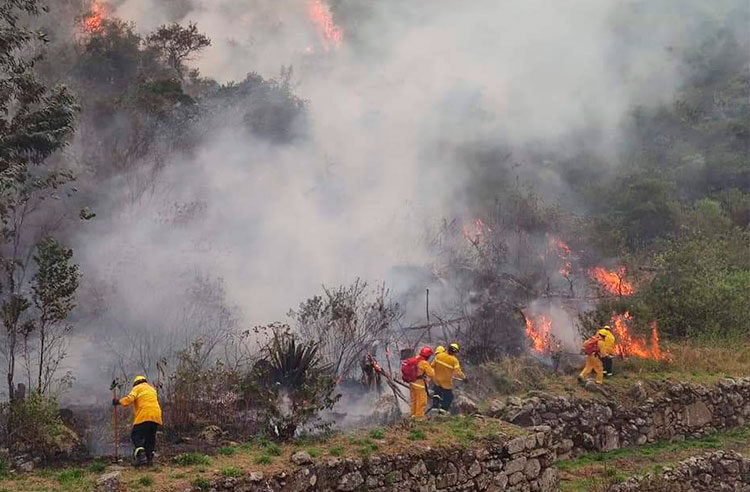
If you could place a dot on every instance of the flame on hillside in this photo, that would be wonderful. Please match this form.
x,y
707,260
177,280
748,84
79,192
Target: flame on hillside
x,y
612,281
93,21
631,345
539,332
320,15
476,232
562,251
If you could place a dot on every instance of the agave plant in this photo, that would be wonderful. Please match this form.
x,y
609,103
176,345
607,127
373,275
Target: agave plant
x,y
292,365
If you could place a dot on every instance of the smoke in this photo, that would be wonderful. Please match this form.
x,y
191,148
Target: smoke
x,y
390,111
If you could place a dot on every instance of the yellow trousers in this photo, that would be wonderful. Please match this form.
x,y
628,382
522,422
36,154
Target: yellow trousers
x,y
593,363
418,395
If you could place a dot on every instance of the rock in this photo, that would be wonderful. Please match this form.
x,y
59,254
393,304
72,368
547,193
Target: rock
x,y
301,458
211,434
516,445
256,476
638,392
26,466
109,482
496,408
463,405
515,465
611,439
697,414
385,411
350,481
533,467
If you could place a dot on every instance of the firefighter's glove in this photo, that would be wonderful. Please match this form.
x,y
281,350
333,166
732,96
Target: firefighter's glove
x,y
115,402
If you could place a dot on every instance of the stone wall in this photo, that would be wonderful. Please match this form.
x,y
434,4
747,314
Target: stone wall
x,y
710,472
522,464
681,411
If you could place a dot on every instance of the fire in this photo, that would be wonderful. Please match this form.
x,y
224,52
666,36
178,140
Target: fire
x,y
563,252
539,332
613,281
320,15
630,345
92,23
478,232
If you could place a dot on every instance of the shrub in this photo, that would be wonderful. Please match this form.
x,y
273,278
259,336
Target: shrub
x,y
377,433
97,466
336,451
188,459
36,427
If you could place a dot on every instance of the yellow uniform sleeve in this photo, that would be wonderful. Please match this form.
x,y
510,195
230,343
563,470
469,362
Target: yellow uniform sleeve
x,y
426,369
458,371
130,399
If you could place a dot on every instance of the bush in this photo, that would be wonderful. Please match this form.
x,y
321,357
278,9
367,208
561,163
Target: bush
x,y
36,427
97,467
201,483
189,459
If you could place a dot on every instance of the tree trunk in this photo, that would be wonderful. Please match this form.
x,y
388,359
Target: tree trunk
x,y
41,357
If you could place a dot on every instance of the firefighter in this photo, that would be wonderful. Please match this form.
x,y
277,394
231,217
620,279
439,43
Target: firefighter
x,y
592,348
439,350
418,387
146,419
608,350
446,366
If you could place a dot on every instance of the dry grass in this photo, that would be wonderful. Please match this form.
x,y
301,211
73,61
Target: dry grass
x,y
269,458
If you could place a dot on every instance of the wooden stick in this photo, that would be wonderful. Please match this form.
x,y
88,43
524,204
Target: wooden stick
x,y
115,423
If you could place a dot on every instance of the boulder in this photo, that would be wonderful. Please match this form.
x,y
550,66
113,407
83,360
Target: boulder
x,y
697,414
463,405
211,434
638,392
301,458
109,482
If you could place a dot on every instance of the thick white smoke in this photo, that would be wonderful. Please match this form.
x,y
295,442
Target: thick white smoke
x,y
387,110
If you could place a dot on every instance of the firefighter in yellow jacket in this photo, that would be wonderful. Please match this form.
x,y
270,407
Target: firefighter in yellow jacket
x,y
446,367
593,348
146,419
607,350
418,388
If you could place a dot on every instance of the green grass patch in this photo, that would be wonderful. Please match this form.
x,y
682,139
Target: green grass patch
x,y
145,481
231,472
263,459
178,476
97,466
189,459
201,483
313,452
336,450
416,435
273,449
377,433
246,447
227,451
68,477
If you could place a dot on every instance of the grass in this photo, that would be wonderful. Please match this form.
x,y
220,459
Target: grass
x,y
377,433
97,466
416,435
145,481
227,451
190,459
201,483
263,459
597,470
231,472
336,450
313,452
70,476
246,447
273,449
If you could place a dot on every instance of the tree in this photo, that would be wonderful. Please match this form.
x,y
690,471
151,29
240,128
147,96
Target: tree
x,y
53,293
37,121
177,44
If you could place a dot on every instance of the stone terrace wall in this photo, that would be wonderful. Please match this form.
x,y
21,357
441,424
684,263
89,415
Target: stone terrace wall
x,y
523,464
683,411
711,472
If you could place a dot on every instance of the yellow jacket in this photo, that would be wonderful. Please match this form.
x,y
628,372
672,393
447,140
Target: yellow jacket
x,y
446,366
607,346
145,403
424,371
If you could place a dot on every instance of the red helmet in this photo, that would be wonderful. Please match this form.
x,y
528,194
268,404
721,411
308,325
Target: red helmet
x,y
426,352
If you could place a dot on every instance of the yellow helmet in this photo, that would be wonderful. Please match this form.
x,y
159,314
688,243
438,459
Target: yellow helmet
x,y
604,331
139,379
439,350
453,347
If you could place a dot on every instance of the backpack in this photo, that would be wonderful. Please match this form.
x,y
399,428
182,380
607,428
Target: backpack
x,y
591,346
410,369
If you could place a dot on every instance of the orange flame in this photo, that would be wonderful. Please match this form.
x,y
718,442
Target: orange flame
x,y
563,252
539,332
631,345
478,232
613,281
320,15
92,23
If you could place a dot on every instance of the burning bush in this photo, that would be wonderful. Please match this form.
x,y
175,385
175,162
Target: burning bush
x,y
292,383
